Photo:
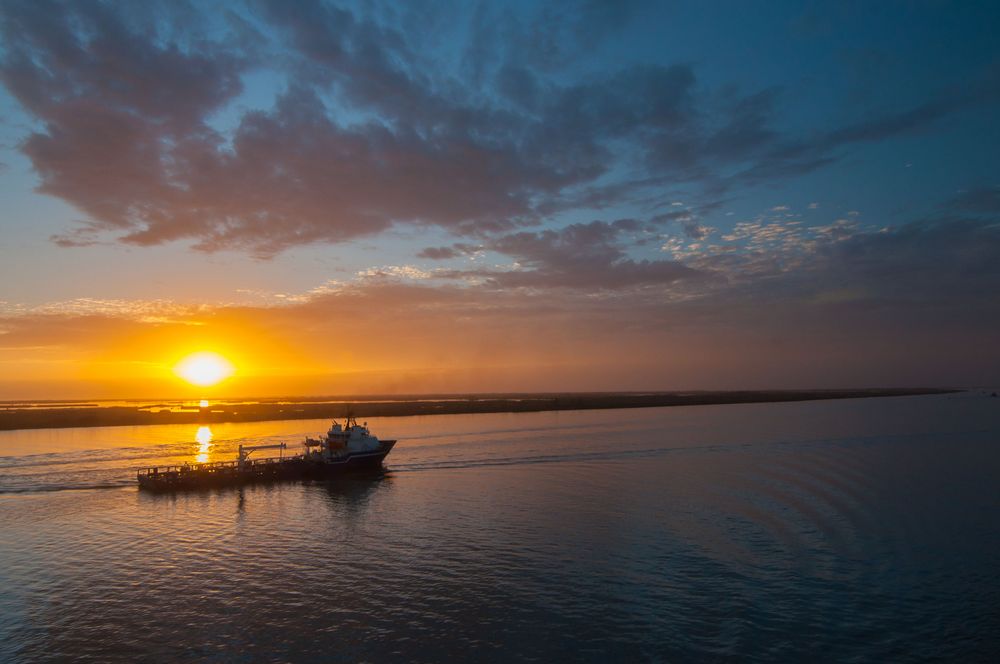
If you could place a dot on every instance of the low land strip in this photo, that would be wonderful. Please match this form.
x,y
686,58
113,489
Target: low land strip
x,y
93,415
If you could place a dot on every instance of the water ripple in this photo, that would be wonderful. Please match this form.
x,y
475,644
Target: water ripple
x,y
707,534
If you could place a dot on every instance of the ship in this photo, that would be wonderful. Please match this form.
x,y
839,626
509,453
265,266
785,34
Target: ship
x,y
345,448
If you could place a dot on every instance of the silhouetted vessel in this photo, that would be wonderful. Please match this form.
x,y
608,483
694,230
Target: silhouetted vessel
x,y
344,448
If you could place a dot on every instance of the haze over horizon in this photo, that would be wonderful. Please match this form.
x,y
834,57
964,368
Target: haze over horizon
x,y
497,197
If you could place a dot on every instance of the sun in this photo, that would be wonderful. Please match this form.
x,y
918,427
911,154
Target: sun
x,y
205,368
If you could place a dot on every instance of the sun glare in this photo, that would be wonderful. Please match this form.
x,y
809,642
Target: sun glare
x,y
204,368
204,439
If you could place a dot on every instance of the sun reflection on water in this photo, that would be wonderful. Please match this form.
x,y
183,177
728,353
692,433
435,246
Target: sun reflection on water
x,y
204,439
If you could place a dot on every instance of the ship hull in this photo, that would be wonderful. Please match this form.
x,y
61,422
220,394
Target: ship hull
x,y
351,463
273,470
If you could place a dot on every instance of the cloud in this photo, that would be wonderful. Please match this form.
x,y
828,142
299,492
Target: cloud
x,y
945,260
395,272
293,176
439,253
457,250
908,306
980,200
905,305
141,310
375,129
137,106
587,256
785,156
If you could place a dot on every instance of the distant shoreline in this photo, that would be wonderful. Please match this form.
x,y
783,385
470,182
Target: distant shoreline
x,y
97,416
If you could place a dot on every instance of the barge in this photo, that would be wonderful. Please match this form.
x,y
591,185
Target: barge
x,y
346,448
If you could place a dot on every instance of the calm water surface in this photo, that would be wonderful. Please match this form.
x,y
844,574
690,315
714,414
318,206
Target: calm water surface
x,y
859,530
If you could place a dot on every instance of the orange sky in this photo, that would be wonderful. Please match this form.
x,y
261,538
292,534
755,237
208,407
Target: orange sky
x,y
397,336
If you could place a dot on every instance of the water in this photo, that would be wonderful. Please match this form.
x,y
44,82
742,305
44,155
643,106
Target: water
x,y
859,530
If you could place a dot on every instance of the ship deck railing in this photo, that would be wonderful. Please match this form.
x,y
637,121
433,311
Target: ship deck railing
x,y
212,466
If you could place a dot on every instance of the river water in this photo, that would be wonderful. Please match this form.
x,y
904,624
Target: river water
x,y
854,530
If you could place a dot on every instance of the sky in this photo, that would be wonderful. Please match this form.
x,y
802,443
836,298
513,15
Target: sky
x,y
498,196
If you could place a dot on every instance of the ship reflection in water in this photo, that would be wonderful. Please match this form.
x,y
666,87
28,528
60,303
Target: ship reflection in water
x,y
832,531
204,439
